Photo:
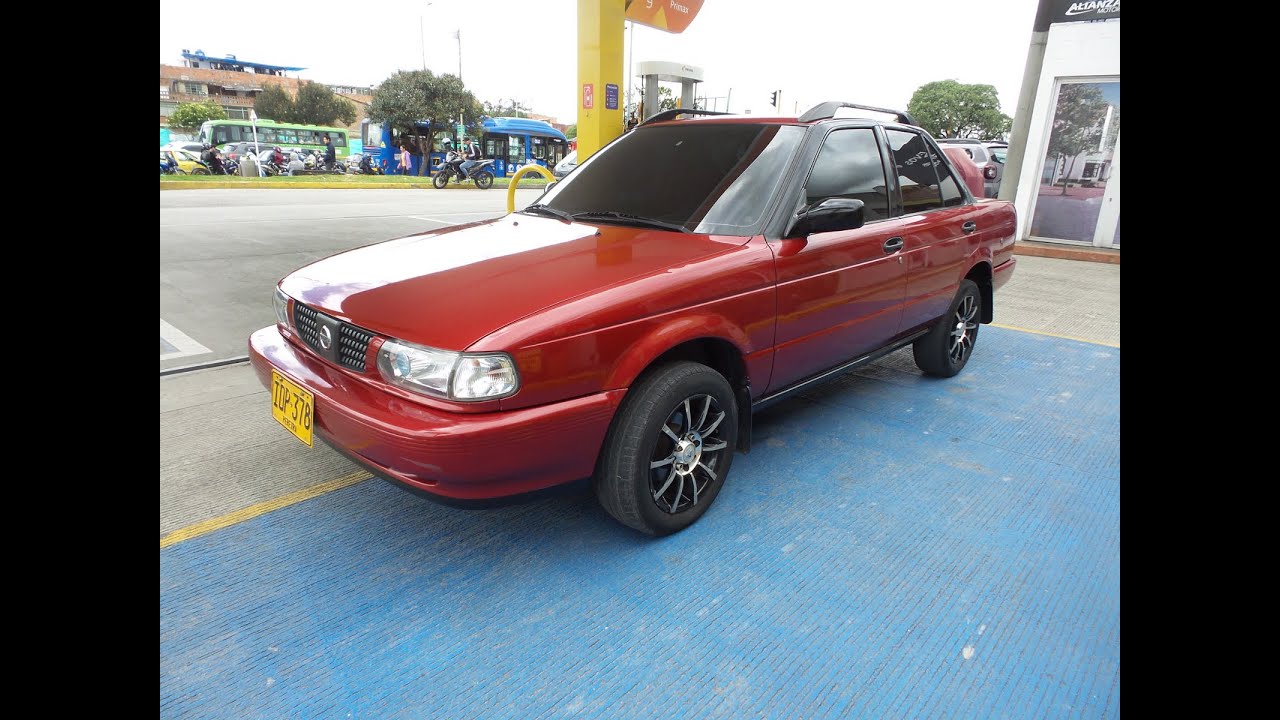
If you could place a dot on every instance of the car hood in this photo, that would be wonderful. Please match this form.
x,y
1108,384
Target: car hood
x,y
449,289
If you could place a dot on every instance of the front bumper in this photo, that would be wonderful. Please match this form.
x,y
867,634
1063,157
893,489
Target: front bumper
x,y
457,456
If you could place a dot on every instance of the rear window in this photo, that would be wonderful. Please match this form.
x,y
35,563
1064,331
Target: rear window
x,y
999,153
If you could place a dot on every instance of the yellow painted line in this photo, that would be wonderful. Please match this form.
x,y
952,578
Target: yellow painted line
x,y
207,526
1055,335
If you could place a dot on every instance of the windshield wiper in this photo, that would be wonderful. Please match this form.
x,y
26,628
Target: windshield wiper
x,y
628,218
540,208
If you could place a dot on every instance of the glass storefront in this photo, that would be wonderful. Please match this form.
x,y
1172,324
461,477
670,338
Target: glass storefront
x,y
1077,163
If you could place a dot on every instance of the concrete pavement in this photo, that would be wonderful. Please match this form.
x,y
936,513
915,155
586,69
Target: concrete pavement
x,y
895,546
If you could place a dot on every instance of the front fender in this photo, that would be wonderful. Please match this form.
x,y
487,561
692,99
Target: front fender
x,y
651,345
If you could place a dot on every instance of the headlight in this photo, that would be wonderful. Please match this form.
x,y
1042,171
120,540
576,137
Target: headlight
x,y
280,302
484,376
418,368
456,376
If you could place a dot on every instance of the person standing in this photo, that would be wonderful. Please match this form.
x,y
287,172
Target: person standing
x,y
330,153
405,159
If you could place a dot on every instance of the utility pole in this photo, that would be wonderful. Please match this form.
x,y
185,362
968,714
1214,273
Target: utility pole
x,y
422,37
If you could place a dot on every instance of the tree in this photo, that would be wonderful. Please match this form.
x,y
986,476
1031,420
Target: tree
x,y
315,104
274,103
572,132
409,99
1077,122
950,109
190,116
666,101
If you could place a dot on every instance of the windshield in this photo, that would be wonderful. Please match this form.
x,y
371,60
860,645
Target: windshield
x,y
707,178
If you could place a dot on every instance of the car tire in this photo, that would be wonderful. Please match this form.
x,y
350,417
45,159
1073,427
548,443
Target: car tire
x,y
669,449
947,347
439,180
200,171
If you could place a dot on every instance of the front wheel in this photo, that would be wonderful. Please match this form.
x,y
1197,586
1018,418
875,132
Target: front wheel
x,y
200,171
484,180
944,350
669,449
439,180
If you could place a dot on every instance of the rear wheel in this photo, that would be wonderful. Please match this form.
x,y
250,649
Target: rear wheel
x,y
484,180
669,449
200,171
944,350
439,180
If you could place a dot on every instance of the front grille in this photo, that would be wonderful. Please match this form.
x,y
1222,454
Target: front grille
x,y
351,342
308,325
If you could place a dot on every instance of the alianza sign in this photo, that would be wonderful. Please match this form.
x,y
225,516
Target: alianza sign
x,y
1065,11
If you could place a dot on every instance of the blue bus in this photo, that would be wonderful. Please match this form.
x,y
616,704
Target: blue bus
x,y
516,142
511,142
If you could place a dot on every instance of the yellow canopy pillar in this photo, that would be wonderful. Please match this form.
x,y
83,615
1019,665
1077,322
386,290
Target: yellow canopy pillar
x,y
600,79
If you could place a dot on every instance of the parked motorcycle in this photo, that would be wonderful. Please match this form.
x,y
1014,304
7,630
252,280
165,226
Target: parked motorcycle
x,y
366,166
314,161
481,174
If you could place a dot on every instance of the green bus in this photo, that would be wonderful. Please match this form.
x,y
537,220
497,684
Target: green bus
x,y
270,133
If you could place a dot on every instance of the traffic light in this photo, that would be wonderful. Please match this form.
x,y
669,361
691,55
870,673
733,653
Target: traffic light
x,y
773,99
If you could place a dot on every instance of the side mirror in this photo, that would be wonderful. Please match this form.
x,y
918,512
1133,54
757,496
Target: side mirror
x,y
829,215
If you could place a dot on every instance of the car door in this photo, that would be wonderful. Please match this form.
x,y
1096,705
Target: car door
x,y
840,293
939,233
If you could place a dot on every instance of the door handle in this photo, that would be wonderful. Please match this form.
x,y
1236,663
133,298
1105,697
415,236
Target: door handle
x,y
969,227
893,245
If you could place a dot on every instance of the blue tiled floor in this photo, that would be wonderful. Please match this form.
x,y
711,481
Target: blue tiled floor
x,y
893,546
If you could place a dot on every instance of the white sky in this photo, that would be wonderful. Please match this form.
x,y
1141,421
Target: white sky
x,y
875,52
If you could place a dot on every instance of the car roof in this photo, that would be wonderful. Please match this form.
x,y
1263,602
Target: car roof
x,y
816,114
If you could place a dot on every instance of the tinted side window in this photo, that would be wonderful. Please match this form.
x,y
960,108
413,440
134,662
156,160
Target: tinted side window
x,y
849,166
915,162
951,194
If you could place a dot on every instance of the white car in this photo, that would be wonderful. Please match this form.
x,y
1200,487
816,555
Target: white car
x,y
566,165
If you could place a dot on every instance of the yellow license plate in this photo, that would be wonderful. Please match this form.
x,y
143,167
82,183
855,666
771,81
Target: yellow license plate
x,y
292,407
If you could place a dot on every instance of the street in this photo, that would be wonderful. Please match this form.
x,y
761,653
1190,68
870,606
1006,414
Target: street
x,y
222,251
